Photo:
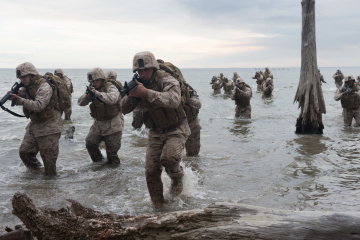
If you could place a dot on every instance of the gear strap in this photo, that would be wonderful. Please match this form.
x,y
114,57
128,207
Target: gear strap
x,y
11,112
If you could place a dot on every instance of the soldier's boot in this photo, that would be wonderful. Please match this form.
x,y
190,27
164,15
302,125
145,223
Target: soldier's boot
x,y
30,160
94,153
155,187
176,182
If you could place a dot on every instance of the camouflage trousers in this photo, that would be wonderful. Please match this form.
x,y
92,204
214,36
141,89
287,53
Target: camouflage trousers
x,y
192,144
243,112
229,92
67,113
164,150
49,151
112,145
349,114
217,90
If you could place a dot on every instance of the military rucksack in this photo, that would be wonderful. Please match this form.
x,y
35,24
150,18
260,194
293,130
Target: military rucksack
x,y
63,93
176,73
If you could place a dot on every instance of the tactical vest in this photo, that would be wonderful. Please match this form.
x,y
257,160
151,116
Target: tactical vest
x,y
102,111
30,93
350,101
191,113
156,117
241,100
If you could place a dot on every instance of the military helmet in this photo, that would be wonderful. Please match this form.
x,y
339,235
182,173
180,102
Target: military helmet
x,y
95,73
111,74
48,74
239,80
349,78
144,60
358,77
24,69
58,71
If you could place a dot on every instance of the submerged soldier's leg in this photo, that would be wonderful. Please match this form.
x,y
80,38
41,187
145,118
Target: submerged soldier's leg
x,y
192,144
49,151
93,140
170,159
247,112
154,170
113,144
28,151
67,113
356,114
348,116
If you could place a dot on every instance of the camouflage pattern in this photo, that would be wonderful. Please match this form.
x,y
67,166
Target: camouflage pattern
x,y
111,74
268,88
338,76
25,69
259,80
192,144
95,73
59,71
68,111
216,85
268,74
236,76
138,117
242,100
144,60
101,130
164,148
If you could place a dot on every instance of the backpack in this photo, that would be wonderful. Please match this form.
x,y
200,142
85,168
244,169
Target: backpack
x,y
117,83
176,73
63,93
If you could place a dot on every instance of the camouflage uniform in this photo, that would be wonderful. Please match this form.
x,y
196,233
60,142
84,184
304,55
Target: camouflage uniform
x,y
69,85
236,76
338,76
44,130
216,85
165,145
350,101
268,88
107,130
228,86
259,80
192,145
242,100
138,118
268,74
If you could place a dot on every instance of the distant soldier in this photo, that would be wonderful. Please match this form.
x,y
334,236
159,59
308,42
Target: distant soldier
x,y
338,76
42,134
259,80
59,72
236,76
221,77
228,86
350,101
268,74
216,85
268,88
321,77
104,99
358,79
242,95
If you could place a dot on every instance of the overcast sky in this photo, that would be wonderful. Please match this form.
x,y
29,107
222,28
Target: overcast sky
x,y
189,33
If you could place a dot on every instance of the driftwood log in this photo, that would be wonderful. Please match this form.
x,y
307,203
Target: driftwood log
x,y
309,93
217,221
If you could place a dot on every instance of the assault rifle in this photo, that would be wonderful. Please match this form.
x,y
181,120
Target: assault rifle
x,y
88,90
128,87
348,90
14,90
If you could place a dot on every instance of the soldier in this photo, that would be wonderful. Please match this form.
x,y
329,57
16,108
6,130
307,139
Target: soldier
x,y
160,95
349,95
236,76
104,100
42,134
338,76
192,107
242,95
111,74
228,86
216,85
268,74
259,80
268,88
321,77
58,72
358,79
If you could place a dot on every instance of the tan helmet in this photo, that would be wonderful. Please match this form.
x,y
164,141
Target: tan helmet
x,y
239,80
26,68
111,74
48,74
349,78
144,60
95,73
358,77
59,71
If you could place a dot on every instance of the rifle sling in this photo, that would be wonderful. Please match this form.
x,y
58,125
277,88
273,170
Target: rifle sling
x,y
11,112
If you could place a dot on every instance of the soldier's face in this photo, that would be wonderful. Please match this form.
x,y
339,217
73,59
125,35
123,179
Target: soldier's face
x,y
96,83
145,74
25,80
351,83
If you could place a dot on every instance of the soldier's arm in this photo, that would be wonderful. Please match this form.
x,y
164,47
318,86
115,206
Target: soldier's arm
x,y
110,97
194,102
170,97
247,92
42,99
84,100
338,94
128,104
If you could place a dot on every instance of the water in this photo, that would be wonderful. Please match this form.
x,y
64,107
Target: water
x,y
259,161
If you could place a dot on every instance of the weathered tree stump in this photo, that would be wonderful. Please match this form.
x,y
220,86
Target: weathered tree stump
x,y
217,221
309,93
